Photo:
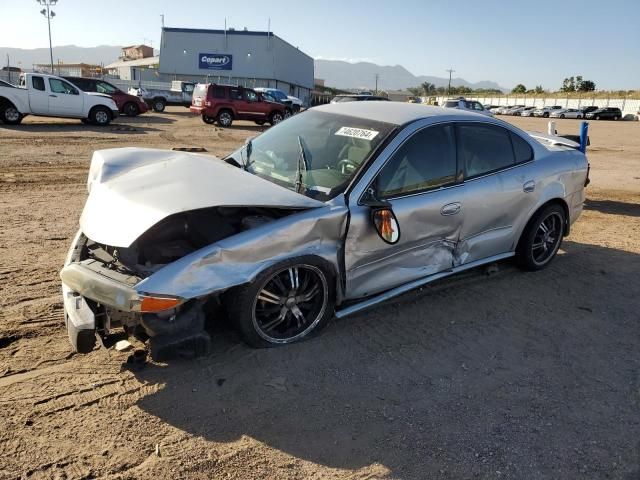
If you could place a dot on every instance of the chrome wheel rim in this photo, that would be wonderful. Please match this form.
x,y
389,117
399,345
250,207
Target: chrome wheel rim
x,y
225,119
159,106
287,114
102,117
290,303
12,114
131,110
547,238
277,118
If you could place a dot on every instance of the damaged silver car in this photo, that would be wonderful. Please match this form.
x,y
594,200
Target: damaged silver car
x,y
330,212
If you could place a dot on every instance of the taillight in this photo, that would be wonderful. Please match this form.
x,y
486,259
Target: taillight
x,y
207,103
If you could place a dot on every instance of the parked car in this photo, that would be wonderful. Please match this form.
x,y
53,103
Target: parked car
x,y
588,109
52,96
471,105
567,113
356,97
545,111
295,103
494,110
226,103
130,105
179,94
607,113
328,213
512,110
527,112
503,109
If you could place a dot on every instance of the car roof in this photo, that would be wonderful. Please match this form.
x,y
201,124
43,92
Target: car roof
x,y
397,113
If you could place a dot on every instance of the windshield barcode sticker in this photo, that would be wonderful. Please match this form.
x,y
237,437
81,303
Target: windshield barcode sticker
x,y
357,133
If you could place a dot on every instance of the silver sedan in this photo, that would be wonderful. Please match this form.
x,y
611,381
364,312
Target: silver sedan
x,y
333,211
567,113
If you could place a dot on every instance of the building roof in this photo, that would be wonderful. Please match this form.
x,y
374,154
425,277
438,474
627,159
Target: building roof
x,y
136,46
141,62
397,113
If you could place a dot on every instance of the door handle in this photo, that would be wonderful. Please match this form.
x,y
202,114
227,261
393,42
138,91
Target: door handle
x,y
54,96
529,186
450,208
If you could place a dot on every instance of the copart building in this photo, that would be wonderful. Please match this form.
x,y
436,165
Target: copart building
x,y
238,57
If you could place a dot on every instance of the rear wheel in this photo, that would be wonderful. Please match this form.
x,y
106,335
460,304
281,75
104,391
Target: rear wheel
x,y
579,117
159,105
225,118
616,118
545,114
131,109
275,118
10,115
100,116
207,119
562,115
260,122
287,113
286,303
541,238
597,117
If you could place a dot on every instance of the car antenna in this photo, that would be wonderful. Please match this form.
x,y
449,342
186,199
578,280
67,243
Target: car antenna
x,y
302,163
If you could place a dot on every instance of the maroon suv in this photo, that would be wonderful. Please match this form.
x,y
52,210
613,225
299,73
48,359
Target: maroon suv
x,y
128,104
226,103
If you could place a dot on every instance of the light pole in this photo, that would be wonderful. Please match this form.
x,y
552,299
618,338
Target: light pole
x,y
48,14
451,70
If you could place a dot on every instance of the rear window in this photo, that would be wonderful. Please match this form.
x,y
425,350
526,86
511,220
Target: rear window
x,y
451,104
38,83
521,149
219,92
200,90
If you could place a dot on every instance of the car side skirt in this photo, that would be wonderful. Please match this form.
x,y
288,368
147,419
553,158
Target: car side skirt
x,y
394,292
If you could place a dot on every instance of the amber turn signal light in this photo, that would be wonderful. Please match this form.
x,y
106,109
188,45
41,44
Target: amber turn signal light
x,y
157,304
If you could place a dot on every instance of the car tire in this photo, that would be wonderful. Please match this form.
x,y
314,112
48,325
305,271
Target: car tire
x,y
208,120
269,311
597,117
542,238
275,118
616,118
562,115
100,116
296,109
260,122
10,115
224,118
579,117
545,115
131,109
159,104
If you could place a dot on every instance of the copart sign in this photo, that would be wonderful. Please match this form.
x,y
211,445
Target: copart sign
x,y
215,61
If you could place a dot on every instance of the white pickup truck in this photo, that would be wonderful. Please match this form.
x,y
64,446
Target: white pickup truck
x,y
180,93
51,96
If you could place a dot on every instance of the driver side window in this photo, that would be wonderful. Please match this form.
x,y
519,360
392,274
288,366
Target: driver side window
x,y
250,96
425,161
58,86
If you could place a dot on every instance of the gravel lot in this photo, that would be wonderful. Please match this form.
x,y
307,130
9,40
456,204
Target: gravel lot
x,y
510,375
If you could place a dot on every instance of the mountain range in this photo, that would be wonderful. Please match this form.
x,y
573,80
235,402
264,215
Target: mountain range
x,y
26,58
336,73
362,75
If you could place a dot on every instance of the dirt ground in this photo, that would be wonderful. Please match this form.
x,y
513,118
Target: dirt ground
x,y
513,375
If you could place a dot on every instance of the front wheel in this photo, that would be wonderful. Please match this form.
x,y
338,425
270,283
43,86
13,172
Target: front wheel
x,y
541,238
616,118
286,303
100,116
208,120
579,117
276,118
10,115
131,110
545,115
597,117
562,115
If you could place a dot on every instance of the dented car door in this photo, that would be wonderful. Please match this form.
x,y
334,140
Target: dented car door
x,y
421,181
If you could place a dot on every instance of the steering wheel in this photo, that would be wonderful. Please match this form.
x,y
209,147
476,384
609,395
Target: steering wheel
x,y
346,164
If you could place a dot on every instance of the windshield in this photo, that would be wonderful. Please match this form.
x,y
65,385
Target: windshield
x,y
314,153
104,87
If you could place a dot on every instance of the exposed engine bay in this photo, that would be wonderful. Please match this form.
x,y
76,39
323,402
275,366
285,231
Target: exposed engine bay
x,y
179,235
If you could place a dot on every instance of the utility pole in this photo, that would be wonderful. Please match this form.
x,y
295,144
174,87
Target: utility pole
x,y
450,70
48,14
377,77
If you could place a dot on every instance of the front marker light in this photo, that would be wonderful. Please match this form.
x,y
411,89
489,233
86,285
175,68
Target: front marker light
x,y
158,304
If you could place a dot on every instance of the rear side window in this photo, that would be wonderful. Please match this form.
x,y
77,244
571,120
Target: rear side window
x,y
38,83
483,149
219,92
236,94
451,104
521,149
425,161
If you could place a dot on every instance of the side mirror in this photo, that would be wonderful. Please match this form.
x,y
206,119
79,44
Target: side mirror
x,y
384,220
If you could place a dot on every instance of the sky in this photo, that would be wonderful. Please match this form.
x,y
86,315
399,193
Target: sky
x,y
507,41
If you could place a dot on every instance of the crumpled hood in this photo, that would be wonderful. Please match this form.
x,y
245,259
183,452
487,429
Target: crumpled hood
x,y
132,189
